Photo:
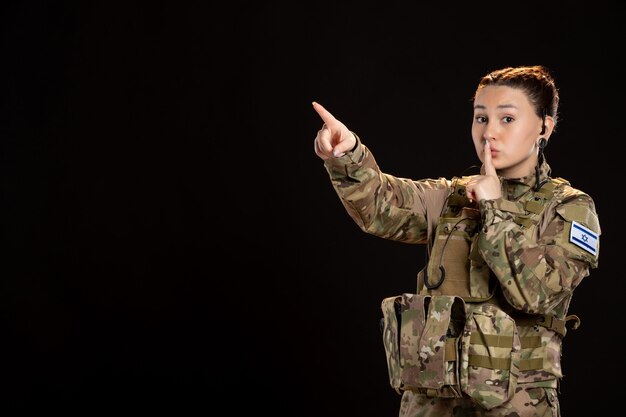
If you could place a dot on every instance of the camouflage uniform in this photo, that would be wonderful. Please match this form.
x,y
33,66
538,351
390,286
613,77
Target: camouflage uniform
x,y
496,349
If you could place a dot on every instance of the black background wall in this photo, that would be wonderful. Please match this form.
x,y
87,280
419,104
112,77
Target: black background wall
x,y
171,241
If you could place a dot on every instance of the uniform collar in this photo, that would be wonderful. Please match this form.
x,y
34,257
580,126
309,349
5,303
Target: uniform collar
x,y
515,188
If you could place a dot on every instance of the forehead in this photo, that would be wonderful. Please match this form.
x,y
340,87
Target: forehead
x,y
493,97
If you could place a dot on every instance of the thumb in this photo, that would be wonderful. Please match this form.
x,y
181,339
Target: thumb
x,y
347,141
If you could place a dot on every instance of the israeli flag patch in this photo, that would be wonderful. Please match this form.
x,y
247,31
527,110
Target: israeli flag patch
x,y
583,237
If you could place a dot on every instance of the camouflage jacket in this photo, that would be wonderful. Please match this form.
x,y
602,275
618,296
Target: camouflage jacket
x,y
537,274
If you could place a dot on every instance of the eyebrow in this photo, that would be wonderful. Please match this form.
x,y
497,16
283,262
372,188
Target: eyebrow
x,y
502,106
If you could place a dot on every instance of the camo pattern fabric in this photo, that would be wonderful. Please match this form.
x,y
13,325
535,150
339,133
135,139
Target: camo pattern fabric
x,y
390,330
538,275
537,269
527,402
432,347
389,207
413,321
423,342
490,383
549,350
418,356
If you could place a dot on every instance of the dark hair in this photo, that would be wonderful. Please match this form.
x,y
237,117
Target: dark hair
x,y
536,81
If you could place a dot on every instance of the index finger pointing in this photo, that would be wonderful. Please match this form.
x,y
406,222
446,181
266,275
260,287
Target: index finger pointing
x,y
489,168
324,114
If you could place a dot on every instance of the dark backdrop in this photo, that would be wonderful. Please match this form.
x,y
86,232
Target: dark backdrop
x,y
171,241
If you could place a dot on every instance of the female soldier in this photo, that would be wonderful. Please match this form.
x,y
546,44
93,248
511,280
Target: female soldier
x,y
482,336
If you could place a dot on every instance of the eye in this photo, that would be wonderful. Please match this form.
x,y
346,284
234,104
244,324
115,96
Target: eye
x,y
507,119
480,119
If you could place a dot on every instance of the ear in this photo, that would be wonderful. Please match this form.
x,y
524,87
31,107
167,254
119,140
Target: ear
x,y
549,124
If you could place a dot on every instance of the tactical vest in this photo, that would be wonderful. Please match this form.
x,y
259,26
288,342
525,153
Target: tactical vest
x,y
455,266
451,338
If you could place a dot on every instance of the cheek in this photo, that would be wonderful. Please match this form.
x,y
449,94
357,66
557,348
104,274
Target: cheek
x,y
523,148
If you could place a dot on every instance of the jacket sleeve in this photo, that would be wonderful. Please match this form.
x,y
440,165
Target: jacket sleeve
x,y
535,276
381,204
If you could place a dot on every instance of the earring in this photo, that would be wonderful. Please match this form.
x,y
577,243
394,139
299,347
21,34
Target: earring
x,y
542,143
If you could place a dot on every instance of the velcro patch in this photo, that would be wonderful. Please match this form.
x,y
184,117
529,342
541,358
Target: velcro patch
x,y
583,237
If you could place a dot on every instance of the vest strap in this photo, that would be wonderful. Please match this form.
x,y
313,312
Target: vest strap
x,y
490,362
451,349
525,222
549,321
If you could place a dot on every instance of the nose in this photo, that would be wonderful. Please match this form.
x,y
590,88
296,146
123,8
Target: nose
x,y
488,133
